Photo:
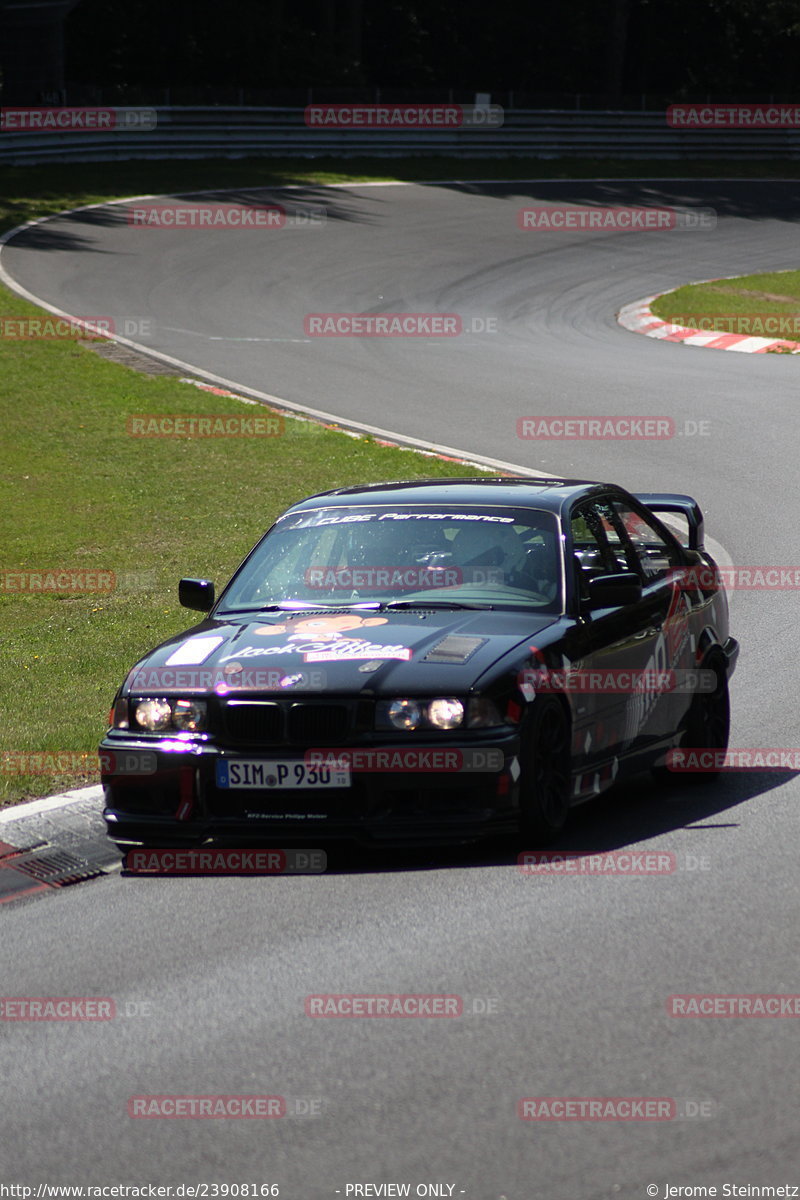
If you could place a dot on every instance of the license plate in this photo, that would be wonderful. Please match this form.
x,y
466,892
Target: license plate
x,y
278,775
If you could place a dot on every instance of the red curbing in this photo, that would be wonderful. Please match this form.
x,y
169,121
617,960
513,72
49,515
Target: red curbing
x,y
638,317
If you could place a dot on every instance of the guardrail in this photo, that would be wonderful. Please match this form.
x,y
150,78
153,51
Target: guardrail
x,y
240,132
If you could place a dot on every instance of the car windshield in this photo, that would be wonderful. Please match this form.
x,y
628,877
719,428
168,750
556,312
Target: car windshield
x,y
341,556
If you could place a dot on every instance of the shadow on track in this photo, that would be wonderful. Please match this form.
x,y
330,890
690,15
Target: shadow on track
x,y
631,813
67,232
636,811
775,200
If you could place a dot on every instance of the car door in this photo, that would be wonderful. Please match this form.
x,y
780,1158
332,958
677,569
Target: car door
x,y
662,567
612,650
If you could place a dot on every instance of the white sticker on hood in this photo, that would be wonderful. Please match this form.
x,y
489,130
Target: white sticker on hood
x,y
193,652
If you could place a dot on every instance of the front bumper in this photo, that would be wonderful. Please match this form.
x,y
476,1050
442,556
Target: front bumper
x,y
163,792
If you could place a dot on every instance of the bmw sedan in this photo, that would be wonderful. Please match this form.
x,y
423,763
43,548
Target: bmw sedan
x,y
427,662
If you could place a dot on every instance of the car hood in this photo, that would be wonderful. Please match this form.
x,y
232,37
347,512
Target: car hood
x,y
340,652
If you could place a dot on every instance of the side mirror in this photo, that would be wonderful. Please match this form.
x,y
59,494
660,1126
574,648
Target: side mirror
x,y
611,591
197,594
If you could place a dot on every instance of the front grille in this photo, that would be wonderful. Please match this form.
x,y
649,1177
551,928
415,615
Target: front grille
x,y
317,723
285,723
259,723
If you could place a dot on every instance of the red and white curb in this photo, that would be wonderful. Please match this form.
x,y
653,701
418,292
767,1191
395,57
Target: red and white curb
x,y
639,318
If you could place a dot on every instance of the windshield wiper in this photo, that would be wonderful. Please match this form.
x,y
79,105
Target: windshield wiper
x,y
300,606
370,605
434,604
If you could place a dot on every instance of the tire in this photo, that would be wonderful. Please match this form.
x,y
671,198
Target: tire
x,y
707,726
709,721
545,780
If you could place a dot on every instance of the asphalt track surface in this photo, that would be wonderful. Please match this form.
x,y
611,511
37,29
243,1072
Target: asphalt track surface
x,y
579,969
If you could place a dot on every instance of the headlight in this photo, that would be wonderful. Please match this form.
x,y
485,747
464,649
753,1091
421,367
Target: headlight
x,y
158,716
189,715
405,714
153,714
445,714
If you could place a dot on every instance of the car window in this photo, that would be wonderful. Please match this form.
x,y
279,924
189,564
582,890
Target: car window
x,y
596,543
655,556
610,536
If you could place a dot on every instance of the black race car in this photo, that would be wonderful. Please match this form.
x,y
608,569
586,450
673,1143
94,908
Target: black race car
x,y
423,662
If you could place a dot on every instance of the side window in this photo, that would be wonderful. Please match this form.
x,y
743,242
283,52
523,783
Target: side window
x,y
615,533
655,556
595,543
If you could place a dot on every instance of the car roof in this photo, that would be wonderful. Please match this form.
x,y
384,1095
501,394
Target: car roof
x,y
506,491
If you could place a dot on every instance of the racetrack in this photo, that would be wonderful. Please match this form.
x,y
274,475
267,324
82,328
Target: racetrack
x,y
580,968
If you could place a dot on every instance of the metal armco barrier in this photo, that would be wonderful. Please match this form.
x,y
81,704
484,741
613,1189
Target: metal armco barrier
x,y
234,132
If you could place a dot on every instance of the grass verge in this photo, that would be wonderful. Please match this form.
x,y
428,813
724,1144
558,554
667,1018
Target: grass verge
x,y
81,494
763,305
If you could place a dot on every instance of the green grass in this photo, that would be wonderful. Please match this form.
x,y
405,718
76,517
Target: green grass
x,y
77,492
744,304
27,192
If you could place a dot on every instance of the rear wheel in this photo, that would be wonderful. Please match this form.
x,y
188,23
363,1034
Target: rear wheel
x,y
707,725
709,721
545,780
